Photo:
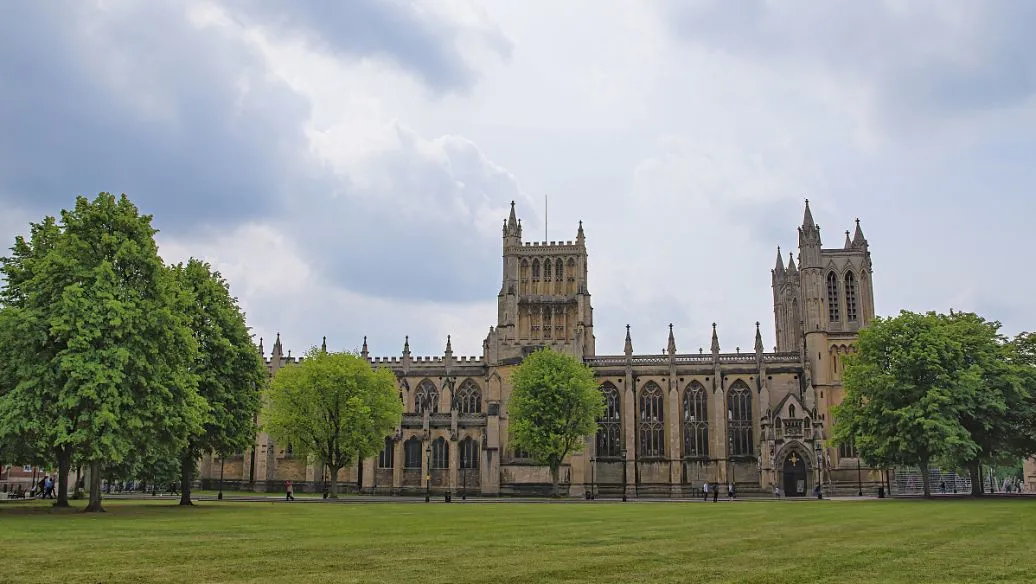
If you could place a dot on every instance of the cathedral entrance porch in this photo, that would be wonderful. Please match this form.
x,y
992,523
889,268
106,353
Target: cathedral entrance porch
x,y
794,476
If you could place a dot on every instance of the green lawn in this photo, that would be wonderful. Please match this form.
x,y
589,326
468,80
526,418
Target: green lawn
x,y
764,541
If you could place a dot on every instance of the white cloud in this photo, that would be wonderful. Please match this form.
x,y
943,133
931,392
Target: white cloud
x,y
684,135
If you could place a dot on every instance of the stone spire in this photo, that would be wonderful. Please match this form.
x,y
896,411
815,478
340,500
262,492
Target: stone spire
x,y
791,264
778,269
809,237
512,227
858,239
628,349
278,350
671,347
807,218
262,351
715,340
363,350
580,236
406,346
449,347
323,345
758,339
848,243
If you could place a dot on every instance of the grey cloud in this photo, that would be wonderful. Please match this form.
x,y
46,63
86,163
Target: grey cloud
x,y
136,100
919,59
418,236
395,30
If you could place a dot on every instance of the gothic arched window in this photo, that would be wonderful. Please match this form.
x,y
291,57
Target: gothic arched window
x,y
426,397
546,270
535,270
412,453
571,284
695,421
609,424
850,297
559,276
832,297
523,277
440,453
652,426
469,398
469,453
739,419
387,456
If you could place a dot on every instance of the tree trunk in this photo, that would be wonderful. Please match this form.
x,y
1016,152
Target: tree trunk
x,y
64,465
975,472
555,477
926,480
186,476
332,483
94,506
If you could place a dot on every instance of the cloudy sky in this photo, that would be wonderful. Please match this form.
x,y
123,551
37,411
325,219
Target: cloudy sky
x,y
347,165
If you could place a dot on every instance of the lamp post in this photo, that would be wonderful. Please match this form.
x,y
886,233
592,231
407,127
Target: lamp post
x,y
859,476
623,475
593,478
428,474
219,496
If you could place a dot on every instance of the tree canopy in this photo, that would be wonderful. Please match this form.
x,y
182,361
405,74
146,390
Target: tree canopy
x,y
554,406
932,388
100,344
333,406
227,368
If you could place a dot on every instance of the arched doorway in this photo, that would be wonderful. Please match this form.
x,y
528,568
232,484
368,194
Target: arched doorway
x,y
794,476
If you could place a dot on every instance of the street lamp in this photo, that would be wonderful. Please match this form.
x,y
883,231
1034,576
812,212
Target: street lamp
x,y
593,478
428,474
623,475
859,476
219,496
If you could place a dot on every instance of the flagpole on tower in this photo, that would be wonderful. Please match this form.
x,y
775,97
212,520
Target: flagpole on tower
x,y
545,238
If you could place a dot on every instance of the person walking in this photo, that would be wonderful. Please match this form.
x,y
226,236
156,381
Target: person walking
x,y
730,491
705,491
715,493
289,491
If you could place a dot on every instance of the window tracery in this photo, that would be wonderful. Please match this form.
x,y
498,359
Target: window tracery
x,y
739,419
387,456
469,398
412,453
832,297
440,453
609,424
850,297
652,421
426,398
469,453
695,421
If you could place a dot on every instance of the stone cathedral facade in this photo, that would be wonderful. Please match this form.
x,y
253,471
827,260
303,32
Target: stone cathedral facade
x,y
673,420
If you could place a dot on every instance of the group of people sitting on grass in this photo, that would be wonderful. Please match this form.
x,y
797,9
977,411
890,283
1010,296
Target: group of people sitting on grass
x,y
714,488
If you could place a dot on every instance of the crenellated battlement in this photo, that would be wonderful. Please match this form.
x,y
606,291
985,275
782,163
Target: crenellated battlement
x,y
428,359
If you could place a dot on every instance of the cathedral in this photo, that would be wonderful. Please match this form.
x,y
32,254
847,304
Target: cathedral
x,y
673,420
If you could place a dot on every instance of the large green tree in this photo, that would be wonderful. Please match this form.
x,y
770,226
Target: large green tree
x,y
27,373
333,406
554,406
227,368
104,348
905,392
996,410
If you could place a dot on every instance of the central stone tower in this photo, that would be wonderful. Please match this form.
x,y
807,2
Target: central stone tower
x,y
544,300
